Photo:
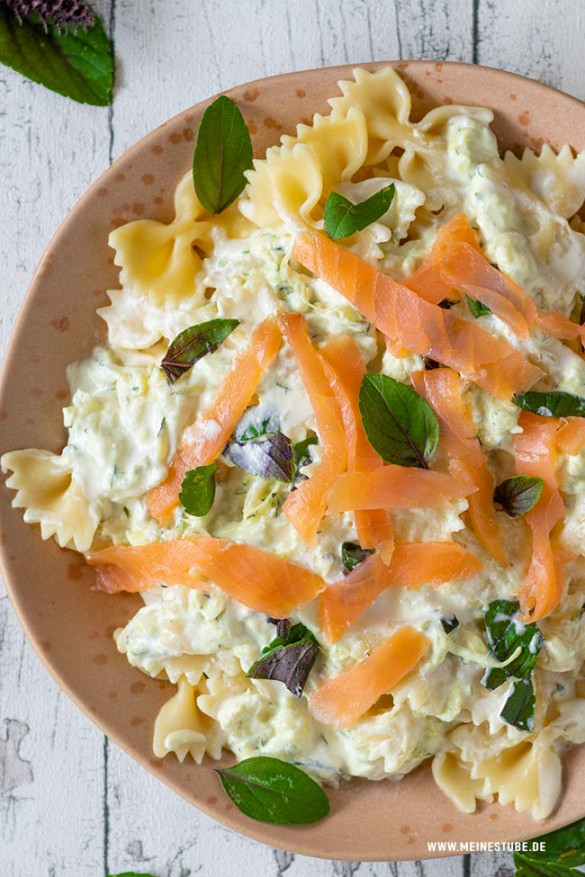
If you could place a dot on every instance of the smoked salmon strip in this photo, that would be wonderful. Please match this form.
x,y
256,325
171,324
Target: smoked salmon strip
x,y
561,327
443,389
341,701
413,564
346,369
570,438
206,438
427,281
305,506
469,272
535,454
258,579
394,487
416,324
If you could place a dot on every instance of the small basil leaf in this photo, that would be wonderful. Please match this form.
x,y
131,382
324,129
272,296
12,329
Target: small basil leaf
x,y
223,153
271,790
270,457
527,865
288,659
519,707
507,635
557,404
477,308
192,344
342,218
400,425
565,847
519,494
257,421
301,453
353,554
449,623
198,490
79,65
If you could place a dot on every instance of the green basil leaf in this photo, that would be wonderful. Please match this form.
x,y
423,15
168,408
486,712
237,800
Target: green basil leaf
x,y
271,790
198,490
342,218
301,453
192,344
130,874
565,847
557,404
77,65
269,457
477,308
507,635
223,153
288,659
528,866
257,421
353,554
519,707
519,494
400,425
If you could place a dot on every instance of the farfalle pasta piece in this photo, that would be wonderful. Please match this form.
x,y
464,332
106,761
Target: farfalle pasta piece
x,y
157,259
182,728
46,490
454,779
557,179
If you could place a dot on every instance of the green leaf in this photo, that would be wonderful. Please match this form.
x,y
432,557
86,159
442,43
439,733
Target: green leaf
x,y
519,707
400,425
130,874
288,659
519,494
507,635
222,154
527,865
192,344
353,554
257,421
342,218
271,790
565,846
198,490
557,404
477,308
77,65
301,453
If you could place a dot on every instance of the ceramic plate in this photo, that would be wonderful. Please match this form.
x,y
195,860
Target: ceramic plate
x,y
71,625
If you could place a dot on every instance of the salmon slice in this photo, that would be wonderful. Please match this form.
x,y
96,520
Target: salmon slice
x,y
469,271
341,701
561,327
345,369
535,454
413,564
394,487
571,436
258,579
427,281
305,506
416,324
205,439
443,389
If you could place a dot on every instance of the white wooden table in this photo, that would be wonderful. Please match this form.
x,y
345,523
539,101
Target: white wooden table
x,y
71,803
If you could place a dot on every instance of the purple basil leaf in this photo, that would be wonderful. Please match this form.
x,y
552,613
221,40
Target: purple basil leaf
x,y
283,626
288,659
270,456
192,344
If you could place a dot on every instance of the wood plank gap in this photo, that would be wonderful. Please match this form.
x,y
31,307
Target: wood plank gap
x,y
398,34
475,31
466,864
106,808
112,29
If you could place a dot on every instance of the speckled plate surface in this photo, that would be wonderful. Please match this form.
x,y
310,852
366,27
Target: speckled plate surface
x,y
71,625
